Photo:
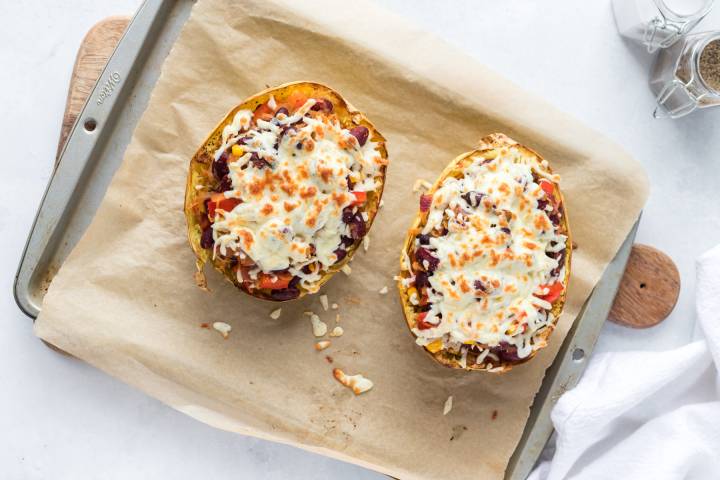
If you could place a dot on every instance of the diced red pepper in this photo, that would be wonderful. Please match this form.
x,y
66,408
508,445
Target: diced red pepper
x,y
547,187
554,292
421,323
218,201
263,112
295,101
274,281
360,198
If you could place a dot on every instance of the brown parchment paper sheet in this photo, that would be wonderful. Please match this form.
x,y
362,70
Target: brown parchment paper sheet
x,y
125,300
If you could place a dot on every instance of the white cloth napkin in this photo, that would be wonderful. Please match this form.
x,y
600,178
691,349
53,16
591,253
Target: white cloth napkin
x,y
647,415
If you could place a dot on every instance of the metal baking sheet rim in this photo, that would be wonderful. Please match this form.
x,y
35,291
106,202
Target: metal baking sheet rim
x,y
103,105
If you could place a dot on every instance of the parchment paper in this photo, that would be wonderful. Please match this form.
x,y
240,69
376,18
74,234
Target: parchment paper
x,y
125,300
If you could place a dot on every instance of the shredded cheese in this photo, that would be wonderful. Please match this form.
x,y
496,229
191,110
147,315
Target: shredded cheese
x,y
292,179
324,302
318,326
493,262
223,328
448,405
357,383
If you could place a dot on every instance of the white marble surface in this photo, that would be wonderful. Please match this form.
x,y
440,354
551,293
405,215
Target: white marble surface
x,y
61,419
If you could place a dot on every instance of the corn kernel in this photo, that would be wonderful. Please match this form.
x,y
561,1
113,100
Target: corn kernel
x,y
238,151
412,291
435,345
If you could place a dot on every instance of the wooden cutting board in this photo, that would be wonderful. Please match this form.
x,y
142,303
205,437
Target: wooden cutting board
x,y
648,291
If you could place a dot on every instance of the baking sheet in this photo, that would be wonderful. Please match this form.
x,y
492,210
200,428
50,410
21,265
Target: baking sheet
x,y
128,284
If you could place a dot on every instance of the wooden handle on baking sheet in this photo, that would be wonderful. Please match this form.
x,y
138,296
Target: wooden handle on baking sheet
x,y
648,290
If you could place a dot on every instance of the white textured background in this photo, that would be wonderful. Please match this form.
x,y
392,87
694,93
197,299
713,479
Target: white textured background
x,y
61,419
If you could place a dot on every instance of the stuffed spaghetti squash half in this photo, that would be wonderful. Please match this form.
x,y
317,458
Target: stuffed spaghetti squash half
x,y
486,263
282,192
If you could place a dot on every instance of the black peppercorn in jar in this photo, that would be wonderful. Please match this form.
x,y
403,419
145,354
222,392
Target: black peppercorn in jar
x,y
686,76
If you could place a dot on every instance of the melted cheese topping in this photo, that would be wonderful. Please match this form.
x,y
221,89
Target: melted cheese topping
x,y
291,215
492,262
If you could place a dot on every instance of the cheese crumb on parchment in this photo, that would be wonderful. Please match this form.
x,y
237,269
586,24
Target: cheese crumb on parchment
x,y
346,269
383,290
223,328
334,306
324,302
421,184
337,332
366,242
319,327
448,405
357,383
322,345
275,314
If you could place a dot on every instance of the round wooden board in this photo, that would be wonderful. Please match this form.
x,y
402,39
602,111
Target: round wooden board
x,y
649,289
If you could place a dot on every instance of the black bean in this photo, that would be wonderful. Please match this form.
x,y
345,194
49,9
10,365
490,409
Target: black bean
x,y
505,230
424,239
206,239
294,282
361,133
347,241
542,203
348,215
473,199
479,285
282,110
340,254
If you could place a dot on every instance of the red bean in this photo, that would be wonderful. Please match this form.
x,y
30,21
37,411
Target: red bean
x,y
284,294
322,105
357,227
425,202
206,240
421,280
423,255
361,133
340,254
506,352
225,184
220,167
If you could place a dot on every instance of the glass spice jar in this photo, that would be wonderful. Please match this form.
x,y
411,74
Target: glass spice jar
x,y
686,76
658,23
